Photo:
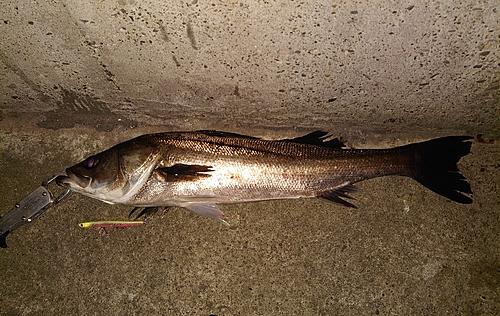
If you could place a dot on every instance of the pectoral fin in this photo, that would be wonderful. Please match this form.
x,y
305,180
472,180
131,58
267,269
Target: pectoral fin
x,y
184,172
208,210
335,196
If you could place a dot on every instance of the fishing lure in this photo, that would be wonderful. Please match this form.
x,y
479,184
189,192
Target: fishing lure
x,y
111,224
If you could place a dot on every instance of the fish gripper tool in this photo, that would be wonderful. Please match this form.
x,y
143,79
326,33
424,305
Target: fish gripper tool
x,y
26,210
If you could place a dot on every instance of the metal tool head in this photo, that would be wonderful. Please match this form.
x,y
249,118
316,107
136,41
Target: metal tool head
x,y
29,208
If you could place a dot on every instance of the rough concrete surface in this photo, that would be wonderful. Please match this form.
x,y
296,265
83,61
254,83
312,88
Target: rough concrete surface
x,y
188,64
80,76
405,251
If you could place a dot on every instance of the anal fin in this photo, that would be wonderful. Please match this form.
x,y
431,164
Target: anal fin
x,y
208,210
335,196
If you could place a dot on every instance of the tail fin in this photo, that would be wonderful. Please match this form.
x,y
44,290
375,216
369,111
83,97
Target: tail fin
x,y
435,163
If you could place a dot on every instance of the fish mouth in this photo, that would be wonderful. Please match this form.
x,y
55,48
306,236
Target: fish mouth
x,y
73,179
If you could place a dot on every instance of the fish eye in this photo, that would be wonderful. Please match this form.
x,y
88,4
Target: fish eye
x,y
90,162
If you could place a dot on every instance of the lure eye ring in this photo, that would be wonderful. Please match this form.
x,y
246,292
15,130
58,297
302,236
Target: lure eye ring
x,y
90,162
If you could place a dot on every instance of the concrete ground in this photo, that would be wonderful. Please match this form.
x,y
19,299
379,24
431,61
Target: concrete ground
x,y
79,77
404,251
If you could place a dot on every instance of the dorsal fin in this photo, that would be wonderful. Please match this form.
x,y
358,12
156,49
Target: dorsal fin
x,y
318,138
224,134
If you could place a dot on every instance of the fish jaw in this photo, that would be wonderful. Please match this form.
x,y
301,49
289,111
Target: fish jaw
x,y
74,181
81,184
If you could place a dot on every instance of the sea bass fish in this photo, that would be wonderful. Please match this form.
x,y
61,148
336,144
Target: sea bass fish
x,y
198,170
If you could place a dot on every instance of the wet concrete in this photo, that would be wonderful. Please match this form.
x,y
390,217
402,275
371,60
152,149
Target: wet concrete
x,y
404,251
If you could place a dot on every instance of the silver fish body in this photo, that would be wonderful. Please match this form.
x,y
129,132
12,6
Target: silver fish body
x,y
197,170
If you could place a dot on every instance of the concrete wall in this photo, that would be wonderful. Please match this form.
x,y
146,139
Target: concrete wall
x,y
369,66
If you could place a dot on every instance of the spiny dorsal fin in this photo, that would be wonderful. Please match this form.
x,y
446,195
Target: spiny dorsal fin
x,y
318,138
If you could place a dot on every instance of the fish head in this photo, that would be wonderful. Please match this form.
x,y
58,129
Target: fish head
x,y
113,175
